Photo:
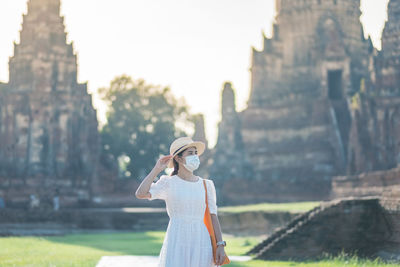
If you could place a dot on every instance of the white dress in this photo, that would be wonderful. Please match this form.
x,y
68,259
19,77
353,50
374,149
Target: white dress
x,y
187,242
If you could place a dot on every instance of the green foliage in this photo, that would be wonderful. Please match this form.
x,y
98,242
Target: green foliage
x,y
141,123
355,101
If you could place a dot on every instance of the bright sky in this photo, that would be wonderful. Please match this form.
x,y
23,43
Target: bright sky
x,y
191,46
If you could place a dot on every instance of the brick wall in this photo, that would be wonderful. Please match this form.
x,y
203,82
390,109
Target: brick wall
x,y
366,184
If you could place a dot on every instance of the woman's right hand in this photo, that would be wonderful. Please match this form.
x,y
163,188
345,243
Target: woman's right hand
x,y
162,162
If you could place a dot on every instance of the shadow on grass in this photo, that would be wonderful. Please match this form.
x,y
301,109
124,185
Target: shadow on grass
x,y
129,243
142,243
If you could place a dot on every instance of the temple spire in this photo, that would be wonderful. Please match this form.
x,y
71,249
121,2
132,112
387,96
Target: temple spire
x,y
43,4
43,60
43,21
391,34
228,100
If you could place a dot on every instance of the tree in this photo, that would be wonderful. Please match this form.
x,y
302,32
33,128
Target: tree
x,y
141,124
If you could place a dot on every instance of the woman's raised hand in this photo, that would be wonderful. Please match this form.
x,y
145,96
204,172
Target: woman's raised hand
x,y
162,162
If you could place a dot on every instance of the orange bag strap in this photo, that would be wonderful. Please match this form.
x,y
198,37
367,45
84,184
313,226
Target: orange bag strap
x,y
207,216
205,188
210,228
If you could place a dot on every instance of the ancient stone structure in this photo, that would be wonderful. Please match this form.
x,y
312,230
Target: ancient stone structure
x,y
200,135
229,160
48,126
368,227
325,103
314,86
388,76
199,129
375,183
362,218
375,133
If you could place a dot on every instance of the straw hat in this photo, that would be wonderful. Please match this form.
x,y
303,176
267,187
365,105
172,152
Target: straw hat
x,y
181,144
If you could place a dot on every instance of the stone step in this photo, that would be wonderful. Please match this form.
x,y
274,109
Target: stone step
x,y
302,229
281,231
290,228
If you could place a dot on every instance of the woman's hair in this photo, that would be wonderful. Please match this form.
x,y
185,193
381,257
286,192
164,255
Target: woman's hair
x,y
176,164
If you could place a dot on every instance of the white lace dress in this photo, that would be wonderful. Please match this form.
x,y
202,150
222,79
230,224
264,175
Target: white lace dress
x,y
187,242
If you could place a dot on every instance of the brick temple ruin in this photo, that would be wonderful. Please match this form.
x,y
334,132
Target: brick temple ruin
x,y
358,92
323,103
49,137
322,123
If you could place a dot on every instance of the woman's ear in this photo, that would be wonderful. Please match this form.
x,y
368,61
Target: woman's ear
x,y
180,160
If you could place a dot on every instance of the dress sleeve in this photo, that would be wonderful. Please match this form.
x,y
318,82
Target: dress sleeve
x,y
158,190
211,197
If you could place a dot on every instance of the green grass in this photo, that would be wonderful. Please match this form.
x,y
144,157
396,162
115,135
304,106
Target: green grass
x,y
86,250
42,252
343,260
76,250
325,263
272,207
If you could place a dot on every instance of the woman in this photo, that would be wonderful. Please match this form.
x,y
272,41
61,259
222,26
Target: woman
x,y
187,242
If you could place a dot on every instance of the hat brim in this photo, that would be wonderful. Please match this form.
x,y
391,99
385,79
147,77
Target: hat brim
x,y
200,146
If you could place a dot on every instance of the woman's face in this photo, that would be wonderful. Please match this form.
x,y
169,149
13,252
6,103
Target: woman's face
x,y
187,152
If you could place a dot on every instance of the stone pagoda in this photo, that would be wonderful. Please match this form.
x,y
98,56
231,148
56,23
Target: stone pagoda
x,y
311,114
375,133
49,137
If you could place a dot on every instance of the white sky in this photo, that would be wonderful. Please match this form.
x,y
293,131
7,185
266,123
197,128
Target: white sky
x,y
191,46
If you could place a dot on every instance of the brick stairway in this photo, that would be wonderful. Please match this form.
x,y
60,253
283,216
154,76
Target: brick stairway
x,y
280,232
342,224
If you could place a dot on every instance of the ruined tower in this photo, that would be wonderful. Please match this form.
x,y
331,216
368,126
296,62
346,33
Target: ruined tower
x,y
314,44
48,126
389,58
200,135
297,124
229,160
375,133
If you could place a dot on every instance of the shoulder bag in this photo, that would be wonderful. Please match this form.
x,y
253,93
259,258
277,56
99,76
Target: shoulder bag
x,y
210,228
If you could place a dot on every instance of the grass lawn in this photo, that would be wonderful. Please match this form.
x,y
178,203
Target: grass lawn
x,y
288,207
87,249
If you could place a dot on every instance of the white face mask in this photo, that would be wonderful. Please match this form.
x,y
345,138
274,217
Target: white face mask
x,y
192,162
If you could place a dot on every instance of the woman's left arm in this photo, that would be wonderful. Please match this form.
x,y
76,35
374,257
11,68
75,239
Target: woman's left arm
x,y
220,256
